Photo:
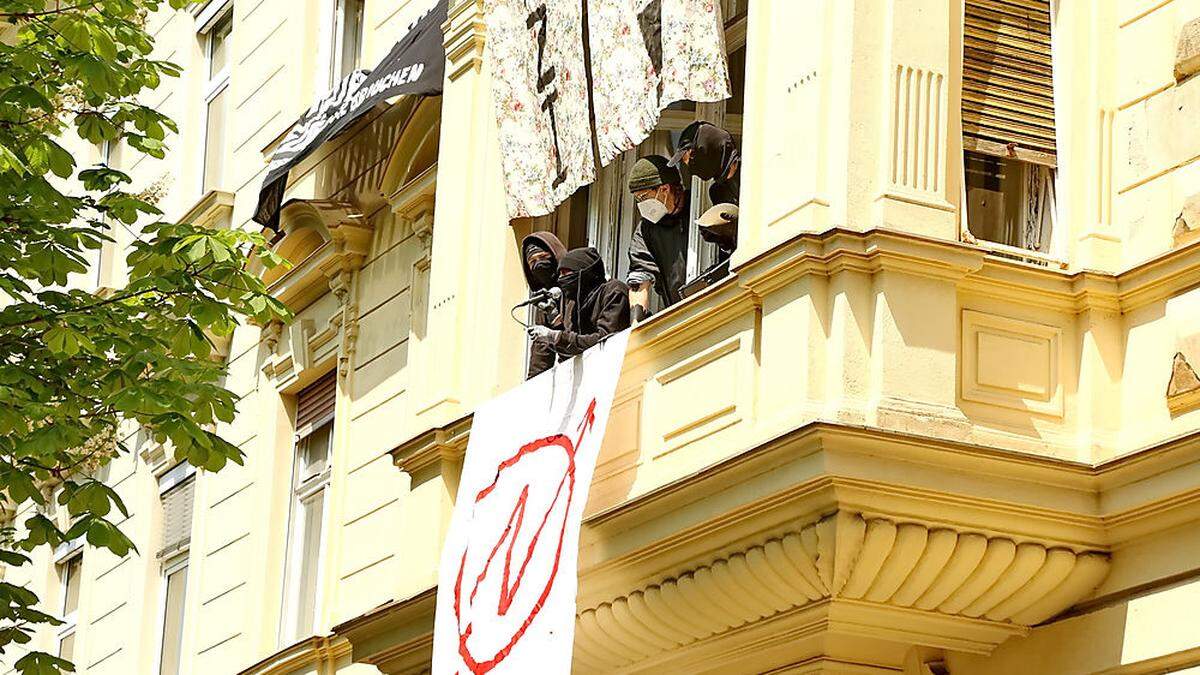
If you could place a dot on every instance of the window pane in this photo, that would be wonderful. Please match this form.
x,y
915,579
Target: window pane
x,y
70,578
994,193
351,38
314,453
214,142
218,45
172,638
66,647
310,555
737,81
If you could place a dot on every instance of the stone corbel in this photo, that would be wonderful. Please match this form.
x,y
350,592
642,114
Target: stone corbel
x,y
351,237
437,451
413,204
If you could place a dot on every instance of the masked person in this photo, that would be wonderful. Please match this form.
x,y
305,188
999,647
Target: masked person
x,y
658,250
708,152
594,306
541,253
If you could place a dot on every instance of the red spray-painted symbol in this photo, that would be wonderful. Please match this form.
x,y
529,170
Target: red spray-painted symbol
x,y
513,571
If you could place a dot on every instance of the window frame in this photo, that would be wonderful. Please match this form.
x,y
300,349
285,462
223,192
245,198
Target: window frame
x,y
303,490
215,84
68,554
1054,255
609,201
177,563
339,66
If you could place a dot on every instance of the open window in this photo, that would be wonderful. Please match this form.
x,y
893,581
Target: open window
x,y
1008,123
604,215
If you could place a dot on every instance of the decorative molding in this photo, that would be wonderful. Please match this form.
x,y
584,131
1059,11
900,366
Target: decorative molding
x,y
331,266
918,144
466,35
413,204
1183,391
317,650
1187,50
439,450
213,208
1011,363
1008,586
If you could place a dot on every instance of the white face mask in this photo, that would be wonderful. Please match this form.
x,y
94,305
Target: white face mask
x,y
652,210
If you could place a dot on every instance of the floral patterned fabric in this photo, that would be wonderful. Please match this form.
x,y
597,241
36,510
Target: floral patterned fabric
x,y
539,89
645,55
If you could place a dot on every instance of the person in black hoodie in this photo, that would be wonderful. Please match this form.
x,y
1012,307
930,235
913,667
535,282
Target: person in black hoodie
x,y
540,255
594,306
710,153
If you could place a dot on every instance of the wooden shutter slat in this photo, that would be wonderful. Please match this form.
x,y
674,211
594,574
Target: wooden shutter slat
x,y
1008,80
316,401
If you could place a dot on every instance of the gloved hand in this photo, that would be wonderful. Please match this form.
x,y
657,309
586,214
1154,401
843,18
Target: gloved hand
x,y
542,332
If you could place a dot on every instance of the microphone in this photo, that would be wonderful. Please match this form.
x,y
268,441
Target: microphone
x,y
543,298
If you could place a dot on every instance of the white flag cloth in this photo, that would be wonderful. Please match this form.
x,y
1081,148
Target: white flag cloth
x,y
539,90
508,576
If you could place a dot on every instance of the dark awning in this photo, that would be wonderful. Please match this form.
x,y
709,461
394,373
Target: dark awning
x,y
416,65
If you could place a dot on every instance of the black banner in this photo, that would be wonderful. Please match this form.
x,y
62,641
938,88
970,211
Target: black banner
x,y
416,66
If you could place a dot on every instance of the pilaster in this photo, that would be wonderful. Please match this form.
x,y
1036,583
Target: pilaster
x,y
474,272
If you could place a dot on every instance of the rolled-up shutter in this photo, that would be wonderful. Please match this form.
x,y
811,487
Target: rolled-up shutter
x,y
1008,82
315,403
177,516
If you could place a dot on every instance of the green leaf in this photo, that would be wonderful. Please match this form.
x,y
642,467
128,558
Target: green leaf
x,y
41,663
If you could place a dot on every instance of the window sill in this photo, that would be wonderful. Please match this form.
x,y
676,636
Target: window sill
x,y
1020,255
211,209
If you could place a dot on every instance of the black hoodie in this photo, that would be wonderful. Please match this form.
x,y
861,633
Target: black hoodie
x,y
594,307
541,355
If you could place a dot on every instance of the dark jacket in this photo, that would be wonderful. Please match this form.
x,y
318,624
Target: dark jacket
x,y
593,307
660,249
541,354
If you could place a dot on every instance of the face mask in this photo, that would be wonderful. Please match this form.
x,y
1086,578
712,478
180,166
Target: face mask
x,y
543,270
652,210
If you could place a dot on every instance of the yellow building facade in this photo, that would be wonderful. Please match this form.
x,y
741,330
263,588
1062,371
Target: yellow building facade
x,y
941,417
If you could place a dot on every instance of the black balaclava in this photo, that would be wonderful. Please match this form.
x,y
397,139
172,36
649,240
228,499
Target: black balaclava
x,y
545,274
713,150
581,272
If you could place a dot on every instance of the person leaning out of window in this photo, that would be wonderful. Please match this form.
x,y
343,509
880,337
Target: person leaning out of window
x,y
709,152
658,249
593,306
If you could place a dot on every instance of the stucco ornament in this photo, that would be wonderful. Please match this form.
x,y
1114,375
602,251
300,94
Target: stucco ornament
x,y
1187,51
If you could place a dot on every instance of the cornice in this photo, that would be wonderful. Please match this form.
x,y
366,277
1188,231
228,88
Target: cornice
x,y
314,650
434,449
212,207
839,250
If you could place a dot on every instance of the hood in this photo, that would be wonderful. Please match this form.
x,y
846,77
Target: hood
x,y
547,241
713,150
590,268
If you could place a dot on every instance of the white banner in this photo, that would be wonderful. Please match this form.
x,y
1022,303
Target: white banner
x,y
507,583
539,88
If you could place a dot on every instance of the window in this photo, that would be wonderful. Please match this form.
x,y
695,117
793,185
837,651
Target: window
x,y
176,490
70,576
108,257
605,209
1008,122
174,596
310,478
216,102
347,39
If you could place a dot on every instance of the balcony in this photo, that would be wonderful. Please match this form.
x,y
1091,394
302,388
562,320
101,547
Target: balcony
x,y
860,448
